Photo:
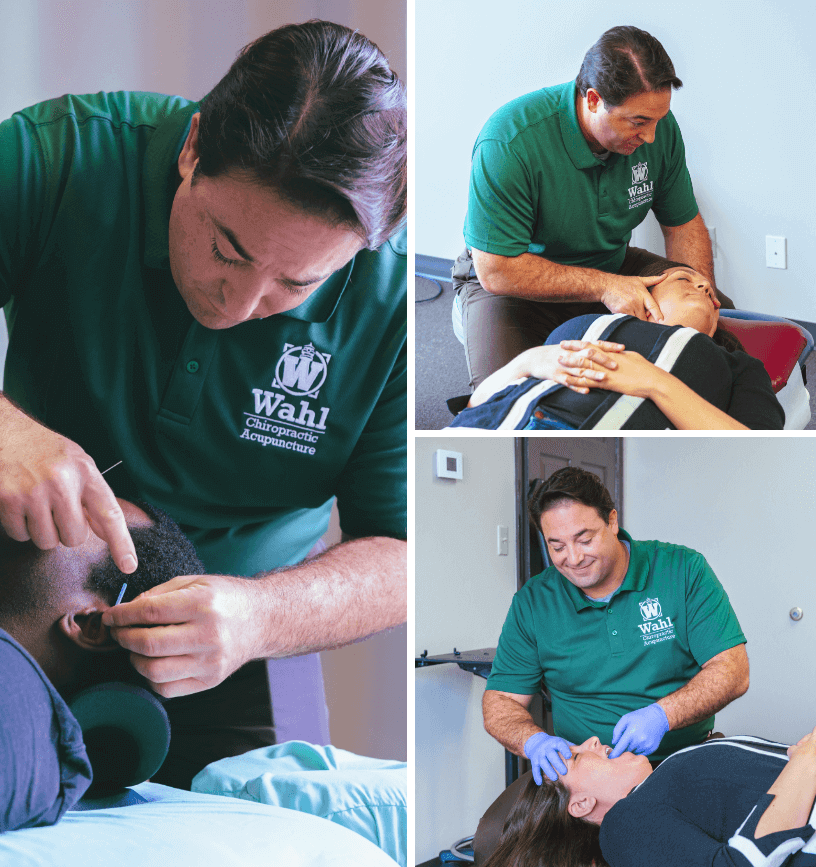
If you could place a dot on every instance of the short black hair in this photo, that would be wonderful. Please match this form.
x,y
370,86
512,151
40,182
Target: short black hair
x,y
626,61
314,112
163,551
570,483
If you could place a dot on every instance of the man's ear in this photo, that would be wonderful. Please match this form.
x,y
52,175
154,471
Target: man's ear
x,y
593,99
189,152
85,629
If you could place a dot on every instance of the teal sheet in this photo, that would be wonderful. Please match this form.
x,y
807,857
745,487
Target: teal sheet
x,y
367,796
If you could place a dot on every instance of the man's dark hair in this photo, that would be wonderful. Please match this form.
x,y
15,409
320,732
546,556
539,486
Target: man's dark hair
x,y
626,61
570,483
163,551
313,111
722,336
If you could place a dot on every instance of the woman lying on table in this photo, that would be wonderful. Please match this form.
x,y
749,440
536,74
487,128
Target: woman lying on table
x,y
730,802
615,372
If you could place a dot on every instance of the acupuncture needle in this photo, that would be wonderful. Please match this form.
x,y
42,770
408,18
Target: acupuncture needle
x,y
124,586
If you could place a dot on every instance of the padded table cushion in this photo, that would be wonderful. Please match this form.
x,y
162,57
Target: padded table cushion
x,y
777,345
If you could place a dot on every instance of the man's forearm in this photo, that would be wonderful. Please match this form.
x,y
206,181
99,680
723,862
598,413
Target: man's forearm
x,y
536,279
706,693
686,409
507,721
351,591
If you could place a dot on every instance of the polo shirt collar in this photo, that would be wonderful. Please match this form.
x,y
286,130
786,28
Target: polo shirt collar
x,y
159,183
574,142
635,579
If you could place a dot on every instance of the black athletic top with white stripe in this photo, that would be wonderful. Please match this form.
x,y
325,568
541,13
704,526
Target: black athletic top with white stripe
x,y
701,807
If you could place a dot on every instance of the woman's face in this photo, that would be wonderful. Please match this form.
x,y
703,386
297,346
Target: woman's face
x,y
591,776
687,298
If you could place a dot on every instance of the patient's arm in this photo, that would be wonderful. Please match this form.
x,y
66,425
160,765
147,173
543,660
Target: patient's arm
x,y
793,791
684,408
498,380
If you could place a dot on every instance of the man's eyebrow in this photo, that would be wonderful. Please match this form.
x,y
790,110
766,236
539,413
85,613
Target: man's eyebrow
x,y
575,536
230,236
646,117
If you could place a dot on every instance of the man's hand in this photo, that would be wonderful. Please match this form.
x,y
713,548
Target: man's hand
x,y
631,295
640,731
52,492
545,754
189,634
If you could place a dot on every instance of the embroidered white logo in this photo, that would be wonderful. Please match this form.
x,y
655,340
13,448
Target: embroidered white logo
x,y
641,192
640,171
656,628
301,371
650,609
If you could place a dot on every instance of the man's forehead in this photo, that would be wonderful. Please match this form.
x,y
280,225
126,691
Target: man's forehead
x,y
269,227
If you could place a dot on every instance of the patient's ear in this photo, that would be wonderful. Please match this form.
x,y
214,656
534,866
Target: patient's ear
x,y
581,805
85,628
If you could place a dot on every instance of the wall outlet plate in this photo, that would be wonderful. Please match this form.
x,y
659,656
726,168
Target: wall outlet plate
x,y
776,255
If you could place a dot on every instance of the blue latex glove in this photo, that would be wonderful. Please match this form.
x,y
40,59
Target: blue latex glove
x,y
544,752
640,731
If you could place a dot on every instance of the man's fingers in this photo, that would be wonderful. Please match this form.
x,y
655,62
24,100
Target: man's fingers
x,y
166,669
159,609
72,522
158,642
108,522
653,281
15,527
621,747
537,774
176,688
558,762
40,527
653,310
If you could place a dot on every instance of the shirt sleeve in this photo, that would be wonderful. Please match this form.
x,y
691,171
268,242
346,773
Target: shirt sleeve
x,y
43,765
711,622
674,203
679,843
516,666
22,179
501,206
372,489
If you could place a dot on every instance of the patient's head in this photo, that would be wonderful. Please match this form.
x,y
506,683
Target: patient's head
x,y
52,601
557,823
686,297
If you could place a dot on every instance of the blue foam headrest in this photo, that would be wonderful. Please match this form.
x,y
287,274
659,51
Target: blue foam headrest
x,y
126,733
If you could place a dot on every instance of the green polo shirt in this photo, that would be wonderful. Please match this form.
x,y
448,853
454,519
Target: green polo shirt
x,y
243,435
602,660
536,187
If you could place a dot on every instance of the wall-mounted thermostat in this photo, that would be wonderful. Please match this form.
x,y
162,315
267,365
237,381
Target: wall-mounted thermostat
x,y
448,465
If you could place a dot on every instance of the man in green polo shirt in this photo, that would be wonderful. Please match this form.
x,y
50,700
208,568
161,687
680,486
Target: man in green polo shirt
x,y
636,641
559,179
212,296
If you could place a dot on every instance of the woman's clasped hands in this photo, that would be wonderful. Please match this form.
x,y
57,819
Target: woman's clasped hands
x,y
579,365
599,364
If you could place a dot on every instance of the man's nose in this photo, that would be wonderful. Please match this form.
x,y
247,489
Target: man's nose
x,y
242,300
574,556
648,134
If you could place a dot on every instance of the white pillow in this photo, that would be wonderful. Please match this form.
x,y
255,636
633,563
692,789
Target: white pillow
x,y
186,829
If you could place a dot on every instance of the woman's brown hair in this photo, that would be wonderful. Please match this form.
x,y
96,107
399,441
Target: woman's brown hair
x,y
540,832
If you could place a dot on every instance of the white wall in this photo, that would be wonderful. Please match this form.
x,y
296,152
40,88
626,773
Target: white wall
x,y
742,110
463,592
745,503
